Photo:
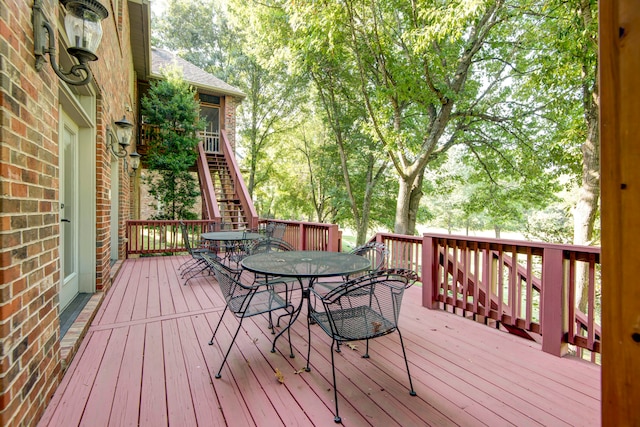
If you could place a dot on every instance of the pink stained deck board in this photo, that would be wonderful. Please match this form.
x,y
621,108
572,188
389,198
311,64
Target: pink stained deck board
x,y
465,373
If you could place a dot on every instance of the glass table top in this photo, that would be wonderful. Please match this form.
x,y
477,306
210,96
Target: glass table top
x,y
306,263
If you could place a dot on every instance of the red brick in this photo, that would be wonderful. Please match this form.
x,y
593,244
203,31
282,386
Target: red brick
x,y
18,189
10,274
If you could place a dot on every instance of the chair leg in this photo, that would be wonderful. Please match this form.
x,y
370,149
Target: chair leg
x,y
337,418
197,272
218,325
190,264
308,368
229,349
406,362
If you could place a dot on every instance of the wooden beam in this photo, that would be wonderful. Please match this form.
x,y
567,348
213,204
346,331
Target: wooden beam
x,y
620,157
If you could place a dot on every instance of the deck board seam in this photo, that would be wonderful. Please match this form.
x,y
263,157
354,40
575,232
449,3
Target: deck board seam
x,y
115,325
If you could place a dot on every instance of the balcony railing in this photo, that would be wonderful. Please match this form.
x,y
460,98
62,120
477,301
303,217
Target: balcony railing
x,y
527,288
210,139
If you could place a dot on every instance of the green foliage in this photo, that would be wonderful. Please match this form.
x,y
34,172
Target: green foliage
x,y
338,90
170,105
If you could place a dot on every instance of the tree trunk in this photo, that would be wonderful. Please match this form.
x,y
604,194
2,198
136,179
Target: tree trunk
x,y
409,195
586,209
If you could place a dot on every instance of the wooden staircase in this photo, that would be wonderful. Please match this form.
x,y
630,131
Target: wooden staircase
x,y
224,193
231,211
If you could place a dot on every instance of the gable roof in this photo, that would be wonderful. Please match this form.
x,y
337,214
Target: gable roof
x,y
161,58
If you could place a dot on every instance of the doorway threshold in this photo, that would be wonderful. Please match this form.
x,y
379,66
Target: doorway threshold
x,y
70,314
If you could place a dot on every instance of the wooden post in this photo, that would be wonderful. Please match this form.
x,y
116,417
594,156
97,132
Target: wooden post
x,y
554,301
429,269
334,238
619,40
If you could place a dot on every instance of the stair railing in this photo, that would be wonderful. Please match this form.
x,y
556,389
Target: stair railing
x,y
240,188
209,202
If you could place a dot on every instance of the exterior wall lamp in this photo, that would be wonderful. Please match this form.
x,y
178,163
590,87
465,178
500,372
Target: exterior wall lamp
x,y
135,162
123,132
122,137
84,31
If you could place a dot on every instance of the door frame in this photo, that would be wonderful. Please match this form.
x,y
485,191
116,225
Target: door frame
x,y
81,109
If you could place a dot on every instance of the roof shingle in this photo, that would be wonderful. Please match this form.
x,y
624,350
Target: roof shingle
x,y
193,74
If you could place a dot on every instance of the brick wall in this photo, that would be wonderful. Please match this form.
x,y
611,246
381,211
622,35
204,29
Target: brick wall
x,y
230,107
29,227
29,200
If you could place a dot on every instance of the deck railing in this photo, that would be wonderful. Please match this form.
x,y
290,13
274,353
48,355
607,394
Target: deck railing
x,y
527,288
155,237
310,236
475,277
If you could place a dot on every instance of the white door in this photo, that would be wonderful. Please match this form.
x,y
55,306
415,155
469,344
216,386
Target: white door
x,y
115,207
69,218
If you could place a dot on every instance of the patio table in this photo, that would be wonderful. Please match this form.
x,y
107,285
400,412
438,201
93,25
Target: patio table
x,y
232,240
304,265
238,235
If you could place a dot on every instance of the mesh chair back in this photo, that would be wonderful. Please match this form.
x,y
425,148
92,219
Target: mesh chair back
x,y
364,308
374,251
269,245
275,230
185,237
279,230
244,300
233,291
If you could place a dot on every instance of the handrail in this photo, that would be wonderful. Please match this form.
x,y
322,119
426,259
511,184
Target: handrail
x,y
209,201
240,187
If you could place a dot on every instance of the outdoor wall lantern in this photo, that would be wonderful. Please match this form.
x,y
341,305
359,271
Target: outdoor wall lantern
x,y
84,31
123,132
135,162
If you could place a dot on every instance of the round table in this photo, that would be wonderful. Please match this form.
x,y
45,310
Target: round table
x,y
231,235
234,242
304,265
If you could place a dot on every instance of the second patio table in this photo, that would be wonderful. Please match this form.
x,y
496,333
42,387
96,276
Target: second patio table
x,y
233,241
302,265
231,235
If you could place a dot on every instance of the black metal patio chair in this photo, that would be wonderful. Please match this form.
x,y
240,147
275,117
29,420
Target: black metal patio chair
x,y
246,301
195,265
277,283
275,230
364,308
376,252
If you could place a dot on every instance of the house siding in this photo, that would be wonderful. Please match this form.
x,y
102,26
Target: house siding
x,y
30,361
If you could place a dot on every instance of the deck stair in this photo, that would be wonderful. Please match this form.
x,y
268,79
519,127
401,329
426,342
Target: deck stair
x,y
229,203
225,197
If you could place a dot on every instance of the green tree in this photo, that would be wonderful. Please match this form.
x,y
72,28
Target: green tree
x,y
431,75
171,106
206,34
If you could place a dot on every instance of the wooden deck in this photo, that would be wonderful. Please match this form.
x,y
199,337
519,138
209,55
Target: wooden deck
x,y
145,361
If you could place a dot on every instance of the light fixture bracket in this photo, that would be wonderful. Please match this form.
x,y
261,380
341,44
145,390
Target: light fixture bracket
x,y
90,11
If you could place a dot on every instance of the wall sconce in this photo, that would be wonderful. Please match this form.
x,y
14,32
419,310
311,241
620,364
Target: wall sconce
x,y
123,130
135,162
84,30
